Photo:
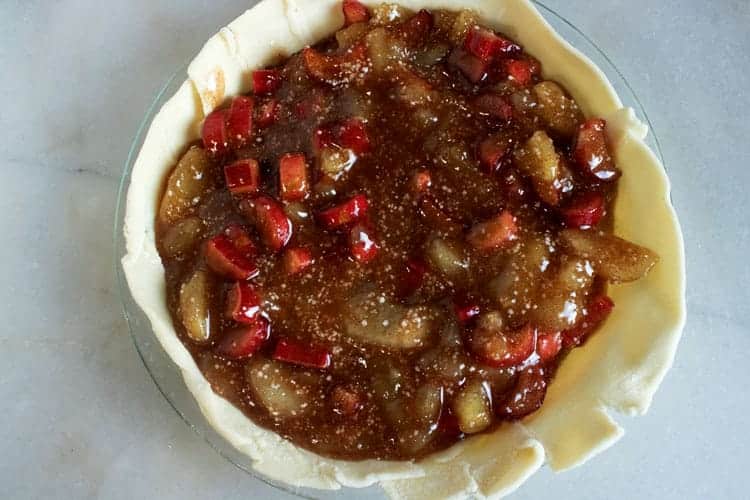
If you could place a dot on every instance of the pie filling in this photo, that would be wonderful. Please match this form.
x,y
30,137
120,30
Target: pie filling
x,y
391,244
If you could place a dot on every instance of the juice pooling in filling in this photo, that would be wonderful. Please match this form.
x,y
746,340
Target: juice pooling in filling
x,y
392,242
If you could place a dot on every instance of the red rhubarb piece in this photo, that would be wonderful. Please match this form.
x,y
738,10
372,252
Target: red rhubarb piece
x,y
270,220
352,134
268,113
344,213
225,259
214,132
242,176
473,68
548,346
335,69
584,211
354,12
596,312
244,341
266,81
240,239
494,105
302,354
591,153
527,396
345,401
415,30
491,153
243,303
485,44
498,348
293,183
494,233
240,120
296,260
323,137
362,243
520,71
466,312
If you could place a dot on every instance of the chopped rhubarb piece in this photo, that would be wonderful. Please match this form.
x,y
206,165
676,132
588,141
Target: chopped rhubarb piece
x,y
240,239
295,352
344,213
270,220
548,345
354,12
323,137
584,211
466,312
527,396
494,233
266,81
293,183
494,105
268,113
240,120
412,278
473,68
415,30
591,153
244,341
335,69
597,311
362,243
243,303
520,71
491,153
500,349
214,132
421,181
242,176
485,44
345,401
225,259
353,135
296,260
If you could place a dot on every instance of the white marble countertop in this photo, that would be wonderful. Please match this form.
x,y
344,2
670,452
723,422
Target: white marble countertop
x,y
82,418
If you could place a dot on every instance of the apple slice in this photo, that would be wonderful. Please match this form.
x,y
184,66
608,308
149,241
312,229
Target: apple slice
x,y
266,81
336,69
354,12
244,341
472,407
595,313
362,243
302,354
584,211
296,260
214,132
243,303
495,347
268,113
195,306
495,233
293,183
345,401
270,220
240,120
226,260
486,45
344,213
421,181
491,152
591,153
473,68
520,71
494,105
242,176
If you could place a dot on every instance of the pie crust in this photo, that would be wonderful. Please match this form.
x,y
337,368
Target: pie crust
x,y
618,370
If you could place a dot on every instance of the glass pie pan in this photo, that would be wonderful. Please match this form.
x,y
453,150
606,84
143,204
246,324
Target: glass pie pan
x,y
167,376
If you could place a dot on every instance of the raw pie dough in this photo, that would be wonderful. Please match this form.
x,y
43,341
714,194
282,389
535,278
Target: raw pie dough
x,y
619,369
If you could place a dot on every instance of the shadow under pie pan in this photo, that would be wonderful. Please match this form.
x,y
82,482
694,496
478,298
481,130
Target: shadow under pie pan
x,y
616,372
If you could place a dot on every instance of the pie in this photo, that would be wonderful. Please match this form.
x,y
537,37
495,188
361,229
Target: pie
x,y
397,244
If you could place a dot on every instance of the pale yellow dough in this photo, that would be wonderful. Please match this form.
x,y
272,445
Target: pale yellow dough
x,y
617,371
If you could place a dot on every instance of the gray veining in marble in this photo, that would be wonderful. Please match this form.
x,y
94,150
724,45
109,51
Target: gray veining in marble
x,y
82,419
